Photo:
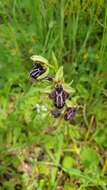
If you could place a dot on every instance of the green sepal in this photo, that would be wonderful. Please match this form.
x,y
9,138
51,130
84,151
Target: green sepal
x,y
48,89
40,59
72,102
59,78
68,88
55,61
44,74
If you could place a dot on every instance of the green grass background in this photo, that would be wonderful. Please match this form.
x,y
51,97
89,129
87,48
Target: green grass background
x,y
37,152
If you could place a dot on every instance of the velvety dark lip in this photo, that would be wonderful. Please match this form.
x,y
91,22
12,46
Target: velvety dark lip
x,y
59,95
36,71
69,113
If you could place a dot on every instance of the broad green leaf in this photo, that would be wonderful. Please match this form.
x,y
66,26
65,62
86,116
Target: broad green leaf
x,y
89,157
77,173
68,161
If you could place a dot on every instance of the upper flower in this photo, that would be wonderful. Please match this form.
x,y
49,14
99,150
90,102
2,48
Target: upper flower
x,y
37,70
40,68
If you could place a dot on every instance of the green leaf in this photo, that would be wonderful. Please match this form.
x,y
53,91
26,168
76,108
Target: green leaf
x,y
50,142
42,167
82,91
68,162
77,173
68,186
101,137
16,134
8,185
74,132
89,157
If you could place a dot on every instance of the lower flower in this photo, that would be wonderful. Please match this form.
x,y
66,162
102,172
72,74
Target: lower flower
x,y
70,113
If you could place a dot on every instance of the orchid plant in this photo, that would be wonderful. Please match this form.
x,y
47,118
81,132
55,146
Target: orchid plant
x,y
60,93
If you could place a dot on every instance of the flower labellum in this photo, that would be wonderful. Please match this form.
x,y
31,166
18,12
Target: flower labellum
x,y
37,70
40,67
69,113
59,95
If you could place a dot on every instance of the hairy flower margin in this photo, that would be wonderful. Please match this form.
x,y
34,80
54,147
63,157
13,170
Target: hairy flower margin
x,y
61,93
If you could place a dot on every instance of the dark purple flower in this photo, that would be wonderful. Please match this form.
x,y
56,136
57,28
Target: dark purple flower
x,y
37,70
56,113
69,113
59,95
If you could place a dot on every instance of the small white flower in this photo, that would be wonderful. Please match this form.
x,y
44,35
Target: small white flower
x,y
44,108
40,108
